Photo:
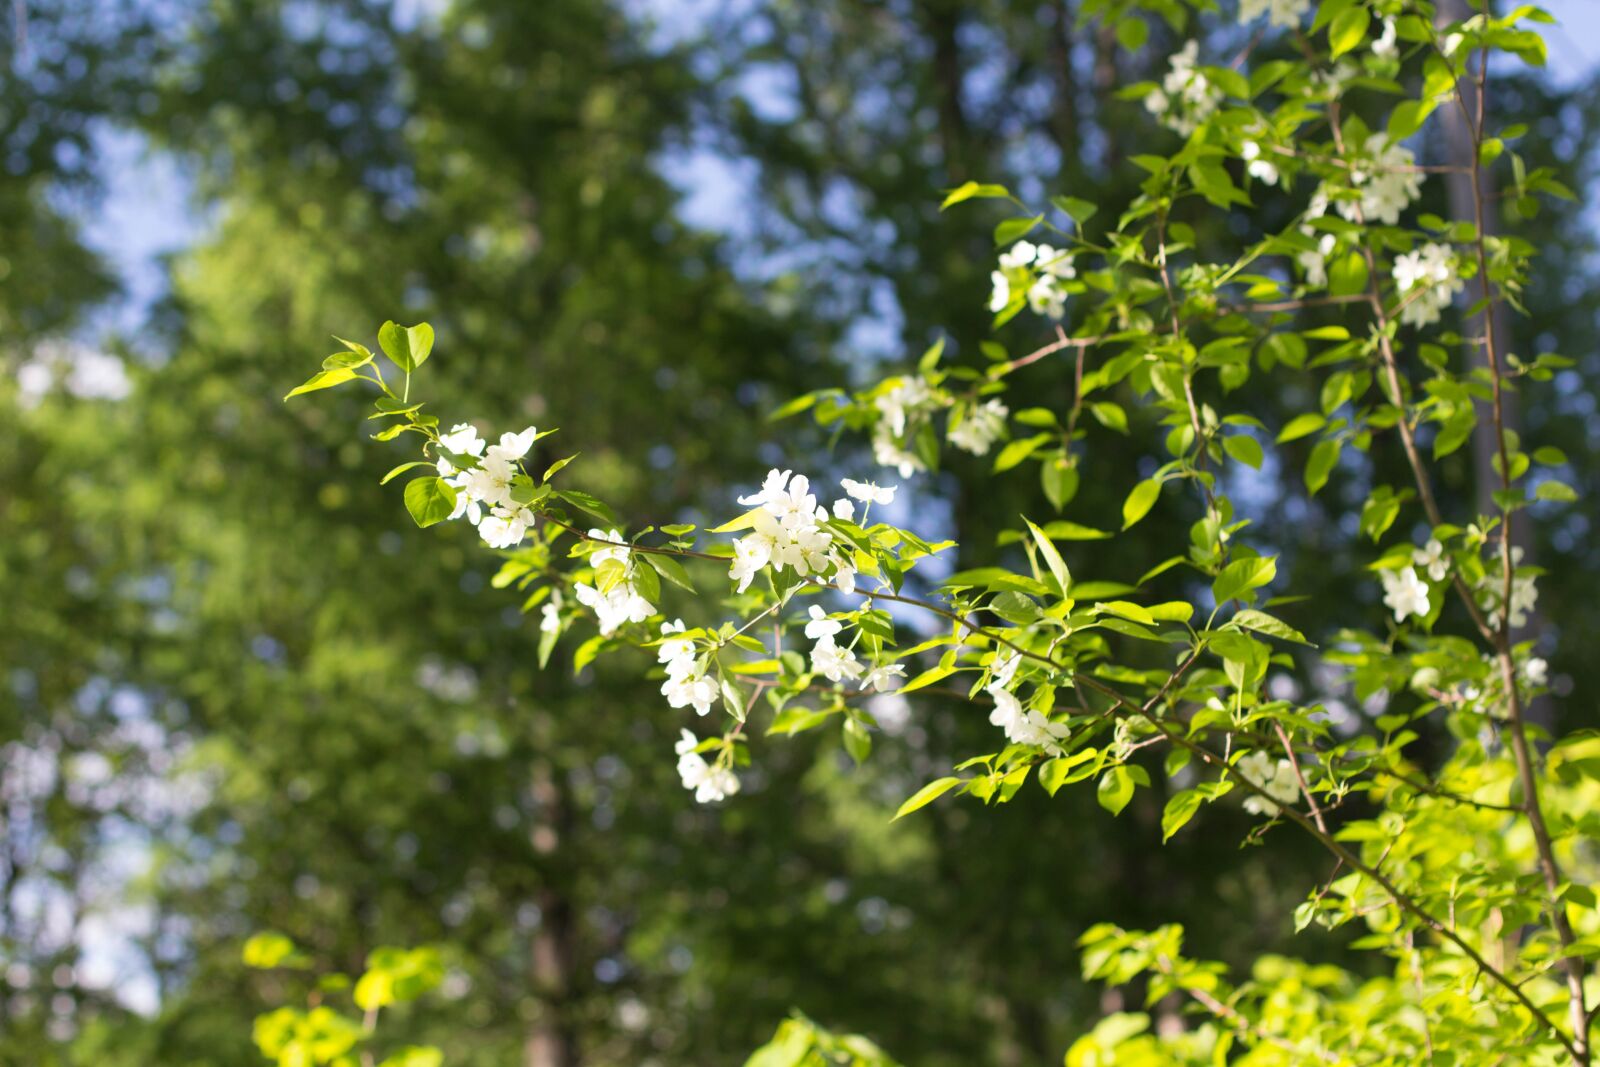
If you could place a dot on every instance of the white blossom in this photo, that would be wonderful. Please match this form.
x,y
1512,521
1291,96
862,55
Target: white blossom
x,y
677,654
1433,558
513,446
463,440
1524,593
1000,293
821,627
844,509
709,783
867,492
1258,168
888,452
901,401
1004,668
1286,13
1186,97
505,527
550,614
622,603
1025,727
1431,271
1388,184
884,677
1275,777
1386,47
981,427
833,662
1536,672
1018,256
697,690
1404,593
1056,262
1046,297
786,531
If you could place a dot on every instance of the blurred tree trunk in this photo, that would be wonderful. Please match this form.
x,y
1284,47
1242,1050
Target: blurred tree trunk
x,y
551,1040
1494,323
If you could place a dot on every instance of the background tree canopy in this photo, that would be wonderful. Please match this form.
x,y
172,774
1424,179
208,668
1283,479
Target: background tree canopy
x,y
243,693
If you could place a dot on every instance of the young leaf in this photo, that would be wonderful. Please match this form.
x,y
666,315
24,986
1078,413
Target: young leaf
x,y
407,346
1052,558
325,379
430,500
926,795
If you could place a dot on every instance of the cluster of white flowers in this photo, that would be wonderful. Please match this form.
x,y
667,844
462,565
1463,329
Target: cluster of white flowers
x,y
897,407
1280,12
687,684
1388,184
1386,46
1275,777
1431,270
1186,97
980,427
622,602
1021,727
1431,557
789,533
829,659
1491,589
1536,672
1038,270
710,782
1263,170
488,484
550,614
1315,263
1404,593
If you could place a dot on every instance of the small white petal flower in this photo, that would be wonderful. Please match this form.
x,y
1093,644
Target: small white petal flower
x,y
821,626
833,662
844,509
1433,558
867,492
513,446
1405,593
463,440
884,677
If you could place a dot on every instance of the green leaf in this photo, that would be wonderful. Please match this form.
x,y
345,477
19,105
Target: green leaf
x,y
1300,425
1347,275
1110,415
926,795
1066,769
387,478
1272,626
1243,575
1011,229
1052,558
1020,449
1348,30
1132,32
1140,501
1324,457
325,379
1244,448
927,677
268,950
1081,211
857,741
668,568
407,346
1115,790
430,500
969,190
1554,490
557,465
1179,810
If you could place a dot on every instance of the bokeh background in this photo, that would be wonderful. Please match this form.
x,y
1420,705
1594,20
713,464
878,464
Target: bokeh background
x,y
239,691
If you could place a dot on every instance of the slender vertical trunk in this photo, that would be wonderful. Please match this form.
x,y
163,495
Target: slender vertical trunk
x,y
1496,323
943,21
551,1039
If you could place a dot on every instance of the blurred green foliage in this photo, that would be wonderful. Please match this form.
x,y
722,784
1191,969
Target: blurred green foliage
x,y
243,695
